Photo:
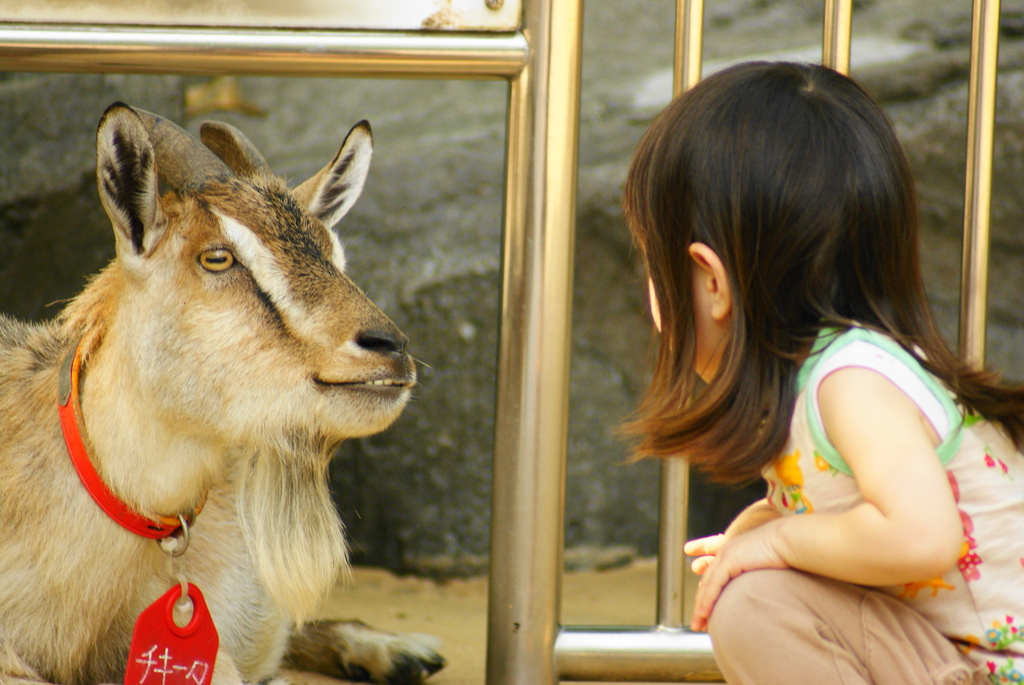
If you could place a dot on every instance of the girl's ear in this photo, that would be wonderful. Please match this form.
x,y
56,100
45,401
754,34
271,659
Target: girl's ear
x,y
710,278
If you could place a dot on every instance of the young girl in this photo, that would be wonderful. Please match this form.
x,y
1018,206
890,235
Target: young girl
x,y
776,216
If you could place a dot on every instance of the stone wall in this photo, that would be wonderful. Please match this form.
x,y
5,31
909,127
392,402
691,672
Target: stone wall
x,y
424,241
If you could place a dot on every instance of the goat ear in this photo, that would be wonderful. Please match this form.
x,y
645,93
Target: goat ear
x,y
334,189
127,178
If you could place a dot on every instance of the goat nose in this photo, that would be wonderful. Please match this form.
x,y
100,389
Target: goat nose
x,y
382,341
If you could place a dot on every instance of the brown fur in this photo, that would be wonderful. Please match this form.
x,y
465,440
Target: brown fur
x,y
237,383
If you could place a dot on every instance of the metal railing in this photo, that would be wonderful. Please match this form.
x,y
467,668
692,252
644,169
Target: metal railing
x,y
541,63
528,646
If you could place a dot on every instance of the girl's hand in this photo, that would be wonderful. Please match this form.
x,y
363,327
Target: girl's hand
x,y
705,549
757,548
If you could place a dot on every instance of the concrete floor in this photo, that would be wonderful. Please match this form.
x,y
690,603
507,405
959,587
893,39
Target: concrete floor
x,y
456,611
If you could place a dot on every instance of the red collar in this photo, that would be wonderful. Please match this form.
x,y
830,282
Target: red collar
x,y
69,410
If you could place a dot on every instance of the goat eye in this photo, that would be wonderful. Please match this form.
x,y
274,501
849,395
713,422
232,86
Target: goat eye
x,y
217,260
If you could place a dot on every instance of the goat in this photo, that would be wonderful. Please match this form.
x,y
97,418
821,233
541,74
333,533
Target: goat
x,y
215,363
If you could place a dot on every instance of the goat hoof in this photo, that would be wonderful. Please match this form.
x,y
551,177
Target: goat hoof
x,y
413,670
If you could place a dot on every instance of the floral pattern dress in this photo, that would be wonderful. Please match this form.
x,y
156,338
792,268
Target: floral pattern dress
x,y
979,604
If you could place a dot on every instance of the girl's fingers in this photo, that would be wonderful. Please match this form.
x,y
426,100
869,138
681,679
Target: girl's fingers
x,y
701,611
707,594
701,564
702,546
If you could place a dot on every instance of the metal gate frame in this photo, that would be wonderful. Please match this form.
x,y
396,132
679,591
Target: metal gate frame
x,y
541,63
527,645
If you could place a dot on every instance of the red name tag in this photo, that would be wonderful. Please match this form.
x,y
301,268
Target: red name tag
x,y
163,653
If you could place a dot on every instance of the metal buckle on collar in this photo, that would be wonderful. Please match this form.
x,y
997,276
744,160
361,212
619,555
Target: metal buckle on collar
x,y
176,544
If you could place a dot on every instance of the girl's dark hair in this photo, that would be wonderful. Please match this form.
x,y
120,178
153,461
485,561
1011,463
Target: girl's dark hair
x,y
795,178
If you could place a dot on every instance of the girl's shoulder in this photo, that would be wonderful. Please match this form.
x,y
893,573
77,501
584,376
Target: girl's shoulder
x,y
835,345
864,348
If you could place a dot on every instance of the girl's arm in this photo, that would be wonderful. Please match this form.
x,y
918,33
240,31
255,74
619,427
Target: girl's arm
x,y
908,527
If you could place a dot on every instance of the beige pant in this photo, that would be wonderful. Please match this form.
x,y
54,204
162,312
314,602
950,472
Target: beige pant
x,y
790,627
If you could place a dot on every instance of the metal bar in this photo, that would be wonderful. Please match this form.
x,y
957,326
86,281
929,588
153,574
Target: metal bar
x,y
978,191
675,474
527,510
626,654
673,509
277,52
689,44
835,41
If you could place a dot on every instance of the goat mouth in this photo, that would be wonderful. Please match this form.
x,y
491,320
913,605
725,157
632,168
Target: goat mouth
x,y
373,384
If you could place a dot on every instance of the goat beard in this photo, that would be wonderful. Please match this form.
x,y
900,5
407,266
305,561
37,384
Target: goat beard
x,y
291,528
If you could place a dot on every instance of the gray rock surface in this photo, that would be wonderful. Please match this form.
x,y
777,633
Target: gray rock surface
x,y
424,241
